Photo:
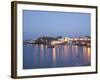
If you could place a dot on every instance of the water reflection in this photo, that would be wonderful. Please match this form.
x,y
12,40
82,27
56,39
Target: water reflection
x,y
40,56
87,54
54,56
41,53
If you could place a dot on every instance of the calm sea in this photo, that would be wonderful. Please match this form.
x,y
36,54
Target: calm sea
x,y
68,55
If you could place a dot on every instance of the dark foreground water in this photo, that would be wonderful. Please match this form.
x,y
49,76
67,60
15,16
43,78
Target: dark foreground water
x,y
40,56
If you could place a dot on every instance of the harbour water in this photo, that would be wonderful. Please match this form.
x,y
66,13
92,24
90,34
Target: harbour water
x,y
68,55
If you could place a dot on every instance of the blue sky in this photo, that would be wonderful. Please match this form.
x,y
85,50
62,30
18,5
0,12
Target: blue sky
x,y
53,24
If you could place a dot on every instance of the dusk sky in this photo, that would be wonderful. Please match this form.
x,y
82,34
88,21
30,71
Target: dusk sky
x,y
53,24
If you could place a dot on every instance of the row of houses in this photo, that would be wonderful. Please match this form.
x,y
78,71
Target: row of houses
x,y
59,40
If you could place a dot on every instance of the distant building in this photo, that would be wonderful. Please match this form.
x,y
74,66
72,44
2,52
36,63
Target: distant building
x,y
59,41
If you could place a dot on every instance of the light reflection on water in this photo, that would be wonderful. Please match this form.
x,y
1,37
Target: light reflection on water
x,y
40,56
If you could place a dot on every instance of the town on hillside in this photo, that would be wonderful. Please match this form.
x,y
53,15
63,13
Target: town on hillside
x,y
52,41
